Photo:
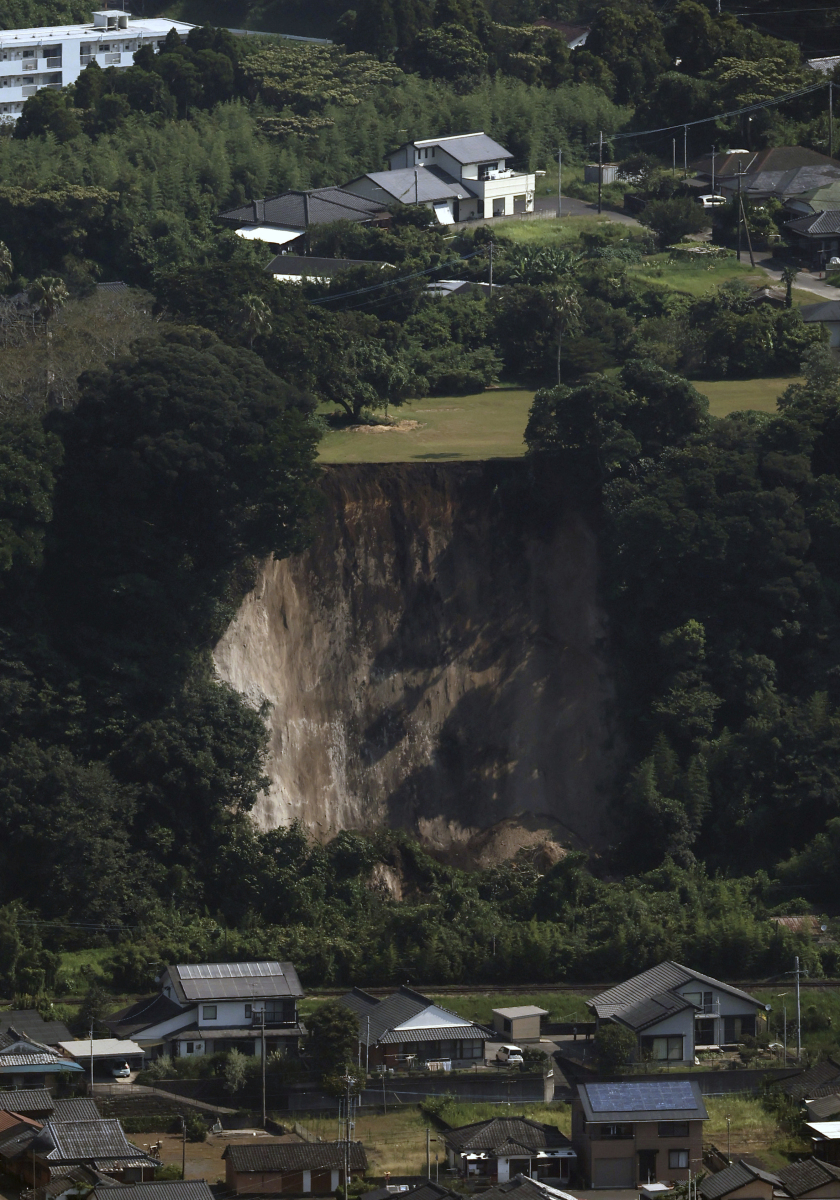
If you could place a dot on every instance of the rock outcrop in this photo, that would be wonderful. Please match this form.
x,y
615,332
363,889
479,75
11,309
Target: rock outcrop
x,y
435,661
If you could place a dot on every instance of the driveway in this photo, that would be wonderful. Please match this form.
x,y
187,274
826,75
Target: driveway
x,y
580,208
806,280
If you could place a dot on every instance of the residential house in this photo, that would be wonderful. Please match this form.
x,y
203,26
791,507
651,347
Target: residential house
x,y
827,314
823,1108
294,268
675,1011
816,236
429,1189
823,1079
30,1024
302,1168
519,1024
204,1008
780,171
30,1102
459,177
503,1147
626,1134
36,1155
810,1179
23,1061
284,220
74,1183
408,1027
55,55
523,1188
740,1181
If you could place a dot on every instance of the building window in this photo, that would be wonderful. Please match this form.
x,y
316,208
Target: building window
x,y
677,1159
508,1024
616,1131
673,1129
208,1012
190,1047
248,1010
471,1049
663,1049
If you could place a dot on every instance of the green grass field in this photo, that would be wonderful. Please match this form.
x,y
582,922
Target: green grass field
x,y
561,1006
446,428
735,395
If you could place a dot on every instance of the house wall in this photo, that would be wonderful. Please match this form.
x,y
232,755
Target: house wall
x,y
519,1029
591,1148
268,1183
757,1189
679,1024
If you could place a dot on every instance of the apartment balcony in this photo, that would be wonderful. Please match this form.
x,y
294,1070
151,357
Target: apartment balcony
x,y
54,63
29,89
30,65
112,60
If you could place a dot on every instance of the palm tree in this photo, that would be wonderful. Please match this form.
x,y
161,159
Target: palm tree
x,y
48,294
566,314
6,264
255,314
788,279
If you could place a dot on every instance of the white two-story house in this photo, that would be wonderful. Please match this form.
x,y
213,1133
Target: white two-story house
x,y
55,55
675,1011
207,1008
460,177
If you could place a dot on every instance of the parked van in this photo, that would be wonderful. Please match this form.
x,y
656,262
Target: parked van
x,y
509,1054
711,201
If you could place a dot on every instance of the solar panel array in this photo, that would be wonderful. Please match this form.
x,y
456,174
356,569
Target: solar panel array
x,y
641,1097
259,970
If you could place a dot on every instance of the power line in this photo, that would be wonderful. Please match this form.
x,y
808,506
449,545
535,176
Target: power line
x,y
400,279
736,112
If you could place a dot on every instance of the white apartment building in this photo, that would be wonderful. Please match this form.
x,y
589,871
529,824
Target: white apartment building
x,y
459,177
55,55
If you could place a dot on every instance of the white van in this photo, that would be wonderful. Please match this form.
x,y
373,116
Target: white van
x,y
711,201
509,1054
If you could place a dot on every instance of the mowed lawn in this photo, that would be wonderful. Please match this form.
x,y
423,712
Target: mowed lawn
x,y
444,428
736,395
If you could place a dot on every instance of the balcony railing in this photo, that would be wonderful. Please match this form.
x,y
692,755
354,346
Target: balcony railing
x,y
707,1010
111,59
54,62
29,89
30,65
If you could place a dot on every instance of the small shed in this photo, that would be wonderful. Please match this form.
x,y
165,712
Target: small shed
x,y
610,172
825,1136
521,1024
302,1168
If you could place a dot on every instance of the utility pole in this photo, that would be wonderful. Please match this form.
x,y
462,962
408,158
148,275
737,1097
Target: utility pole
x,y
831,119
673,156
183,1146
740,210
600,167
262,1014
91,1062
685,151
729,1140
491,268
559,183
428,1153
714,156
798,1016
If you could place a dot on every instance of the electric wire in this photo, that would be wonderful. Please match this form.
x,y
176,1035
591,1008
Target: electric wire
x,y
400,279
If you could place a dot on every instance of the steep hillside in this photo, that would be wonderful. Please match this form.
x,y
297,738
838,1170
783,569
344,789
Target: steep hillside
x,y
432,662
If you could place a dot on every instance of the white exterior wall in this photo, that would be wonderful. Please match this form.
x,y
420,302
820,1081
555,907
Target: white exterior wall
x,y
28,57
678,1024
503,1170
333,1180
307,1181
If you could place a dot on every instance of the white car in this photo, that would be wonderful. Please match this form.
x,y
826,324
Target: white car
x,y
121,1070
509,1054
711,201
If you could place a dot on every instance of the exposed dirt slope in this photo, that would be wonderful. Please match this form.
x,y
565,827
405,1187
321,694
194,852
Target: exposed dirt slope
x,y
433,663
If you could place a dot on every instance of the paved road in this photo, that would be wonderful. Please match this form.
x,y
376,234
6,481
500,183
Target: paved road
x,y
805,280
580,208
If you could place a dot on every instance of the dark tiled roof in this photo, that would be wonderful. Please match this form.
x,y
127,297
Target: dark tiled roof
x,y
469,148
802,1177
142,1015
652,1011
295,1156
62,1179
298,210
100,1141
437,1033
779,158
196,982
170,1189
303,264
28,1101
116,286
824,1107
428,1190
819,224
804,1084
418,185
731,1178
643,1101
663,978
79,1108
32,1025
504,1131
384,1014
524,1189
826,310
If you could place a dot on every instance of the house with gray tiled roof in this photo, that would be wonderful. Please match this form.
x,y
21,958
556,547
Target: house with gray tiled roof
x,y
523,1188
817,235
675,1011
409,1027
809,1179
24,1061
303,1168
739,1181
501,1148
282,221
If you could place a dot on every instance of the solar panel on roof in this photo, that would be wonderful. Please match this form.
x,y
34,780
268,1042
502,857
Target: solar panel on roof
x,y
229,970
641,1097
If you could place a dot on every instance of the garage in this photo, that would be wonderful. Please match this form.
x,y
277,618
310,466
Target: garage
x,y
614,1173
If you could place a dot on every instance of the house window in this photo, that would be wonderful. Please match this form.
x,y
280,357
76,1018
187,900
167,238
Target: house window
x,y
735,1028
208,1012
508,1024
677,1159
616,1131
247,1010
663,1049
190,1047
471,1049
673,1129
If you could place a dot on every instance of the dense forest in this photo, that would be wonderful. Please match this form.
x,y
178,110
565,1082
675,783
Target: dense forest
x,y
158,440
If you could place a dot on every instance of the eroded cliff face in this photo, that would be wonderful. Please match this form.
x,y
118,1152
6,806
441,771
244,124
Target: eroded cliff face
x,y
433,662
